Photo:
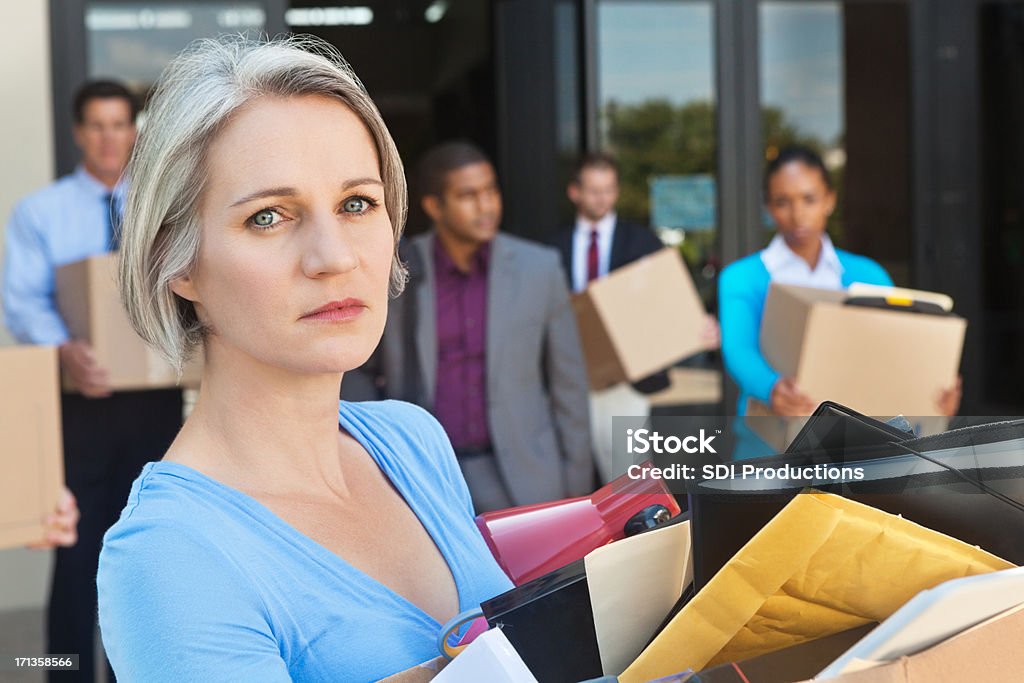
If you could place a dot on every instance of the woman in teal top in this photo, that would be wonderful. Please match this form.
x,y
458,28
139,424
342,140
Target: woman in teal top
x,y
282,537
800,198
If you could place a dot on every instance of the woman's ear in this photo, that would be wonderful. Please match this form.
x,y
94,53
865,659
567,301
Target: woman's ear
x,y
185,288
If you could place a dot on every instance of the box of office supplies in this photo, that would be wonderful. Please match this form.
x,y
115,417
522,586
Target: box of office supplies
x,y
881,351
879,360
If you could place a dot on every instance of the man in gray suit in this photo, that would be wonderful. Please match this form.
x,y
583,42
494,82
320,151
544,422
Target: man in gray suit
x,y
485,338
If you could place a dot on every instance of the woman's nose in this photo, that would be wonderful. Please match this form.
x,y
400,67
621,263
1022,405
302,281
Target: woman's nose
x,y
328,248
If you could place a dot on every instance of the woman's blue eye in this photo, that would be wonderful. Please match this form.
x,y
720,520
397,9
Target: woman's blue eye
x,y
263,219
355,205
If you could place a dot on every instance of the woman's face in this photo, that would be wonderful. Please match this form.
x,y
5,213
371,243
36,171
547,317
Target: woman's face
x,y
800,203
296,242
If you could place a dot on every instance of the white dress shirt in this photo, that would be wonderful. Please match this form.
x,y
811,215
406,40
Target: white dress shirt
x,y
786,267
581,246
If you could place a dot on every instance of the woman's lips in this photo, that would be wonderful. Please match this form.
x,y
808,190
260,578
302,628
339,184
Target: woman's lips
x,y
337,311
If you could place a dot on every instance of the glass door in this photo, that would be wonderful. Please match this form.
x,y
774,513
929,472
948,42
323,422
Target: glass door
x,y
656,113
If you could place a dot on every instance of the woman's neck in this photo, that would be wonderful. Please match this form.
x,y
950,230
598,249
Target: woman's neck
x,y
809,251
264,429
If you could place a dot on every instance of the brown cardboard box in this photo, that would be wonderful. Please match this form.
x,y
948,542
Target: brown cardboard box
x,y
89,302
421,673
877,362
989,652
31,452
639,319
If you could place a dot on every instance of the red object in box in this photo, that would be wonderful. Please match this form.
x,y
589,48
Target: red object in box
x,y
531,540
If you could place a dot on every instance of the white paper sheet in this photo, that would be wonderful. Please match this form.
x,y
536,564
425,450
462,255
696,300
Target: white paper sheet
x,y
633,584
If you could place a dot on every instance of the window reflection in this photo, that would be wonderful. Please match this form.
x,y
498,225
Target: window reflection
x,y
133,42
656,113
801,80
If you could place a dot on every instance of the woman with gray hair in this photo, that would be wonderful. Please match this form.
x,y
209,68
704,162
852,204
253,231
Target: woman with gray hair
x,y
283,536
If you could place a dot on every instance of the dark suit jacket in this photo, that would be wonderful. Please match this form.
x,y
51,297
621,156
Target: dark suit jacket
x,y
537,406
630,242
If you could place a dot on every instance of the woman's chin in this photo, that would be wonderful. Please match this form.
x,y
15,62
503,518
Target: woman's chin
x,y
803,238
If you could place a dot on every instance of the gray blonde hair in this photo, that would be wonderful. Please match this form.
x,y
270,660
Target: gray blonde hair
x,y
195,98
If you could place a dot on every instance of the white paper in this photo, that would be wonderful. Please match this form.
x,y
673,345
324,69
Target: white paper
x,y
633,584
490,657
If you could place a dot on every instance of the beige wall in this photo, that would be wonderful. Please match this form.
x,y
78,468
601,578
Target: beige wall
x,y
26,148
26,145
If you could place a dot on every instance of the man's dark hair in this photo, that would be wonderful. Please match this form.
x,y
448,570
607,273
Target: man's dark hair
x,y
101,90
441,160
597,160
801,154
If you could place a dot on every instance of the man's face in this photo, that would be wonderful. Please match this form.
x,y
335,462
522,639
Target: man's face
x,y
596,192
105,136
469,211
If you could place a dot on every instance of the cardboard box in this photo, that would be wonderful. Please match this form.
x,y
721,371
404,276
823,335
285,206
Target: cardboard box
x,y
421,673
878,362
31,450
90,304
639,319
988,652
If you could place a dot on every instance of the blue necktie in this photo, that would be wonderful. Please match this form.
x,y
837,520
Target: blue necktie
x,y
113,222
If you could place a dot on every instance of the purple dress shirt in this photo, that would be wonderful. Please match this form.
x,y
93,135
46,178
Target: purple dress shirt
x,y
460,402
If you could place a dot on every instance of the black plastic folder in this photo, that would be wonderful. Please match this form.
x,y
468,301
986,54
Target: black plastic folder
x,y
967,483
550,623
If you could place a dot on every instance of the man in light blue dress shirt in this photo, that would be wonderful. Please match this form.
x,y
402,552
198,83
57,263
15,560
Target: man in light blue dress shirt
x,y
108,436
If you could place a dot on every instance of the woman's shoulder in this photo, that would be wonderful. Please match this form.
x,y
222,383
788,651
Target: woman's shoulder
x,y
170,504
748,271
170,534
409,442
860,268
395,418
399,427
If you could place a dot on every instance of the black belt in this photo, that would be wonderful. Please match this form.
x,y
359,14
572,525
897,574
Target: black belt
x,y
473,452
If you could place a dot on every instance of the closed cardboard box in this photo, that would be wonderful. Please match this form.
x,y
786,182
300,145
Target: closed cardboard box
x,y
877,362
31,451
90,304
639,319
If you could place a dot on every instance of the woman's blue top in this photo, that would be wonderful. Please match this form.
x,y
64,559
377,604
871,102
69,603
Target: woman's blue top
x,y
742,290
200,582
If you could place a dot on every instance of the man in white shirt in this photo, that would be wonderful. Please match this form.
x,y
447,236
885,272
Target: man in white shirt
x,y
596,245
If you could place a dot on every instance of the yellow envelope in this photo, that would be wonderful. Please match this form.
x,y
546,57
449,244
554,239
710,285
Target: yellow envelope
x,y
824,564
